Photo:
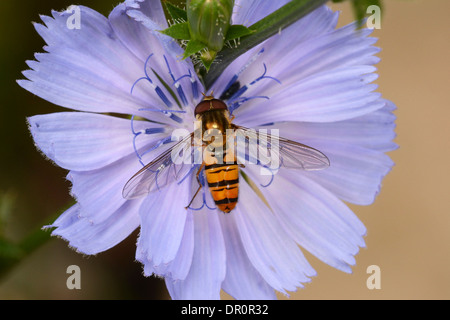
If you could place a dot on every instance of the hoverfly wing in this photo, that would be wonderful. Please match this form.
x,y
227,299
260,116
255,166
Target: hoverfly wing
x,y
171,166
296,155
290,154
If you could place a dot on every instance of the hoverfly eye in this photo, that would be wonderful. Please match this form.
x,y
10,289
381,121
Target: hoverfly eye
x,y
203,106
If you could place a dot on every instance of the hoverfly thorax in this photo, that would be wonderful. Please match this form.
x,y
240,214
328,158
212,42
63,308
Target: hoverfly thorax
x,y
213,114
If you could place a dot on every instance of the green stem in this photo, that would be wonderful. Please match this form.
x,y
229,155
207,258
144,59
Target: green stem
x,y
12,254
264,29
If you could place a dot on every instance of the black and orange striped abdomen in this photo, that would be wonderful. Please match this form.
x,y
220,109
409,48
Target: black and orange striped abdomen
x,y
223,182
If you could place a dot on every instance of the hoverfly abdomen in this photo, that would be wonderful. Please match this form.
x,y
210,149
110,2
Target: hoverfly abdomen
x,y
223,183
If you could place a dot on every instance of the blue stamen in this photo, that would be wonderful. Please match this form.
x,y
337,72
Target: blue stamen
x,y
189,173
245,87
175,118
194,84
268,124
238,93
154,130
145,66
157,145
264,77
156,180
163,97
158,90
134,84
168,113
202,182
163,111
181,93
271,178
236,76
135,149
132,124
237,104
176,84
138,133
236,100
230,83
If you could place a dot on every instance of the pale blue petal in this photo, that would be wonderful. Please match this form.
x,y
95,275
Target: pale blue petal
x,y
179,267
355,173
91,238
242,280
151,8
137,38
85,141
84,67
355,148
85,72
98,203
99,192
324,97
333,49
270,249
163,217
247,12
374,130
154,27
315,218
208,262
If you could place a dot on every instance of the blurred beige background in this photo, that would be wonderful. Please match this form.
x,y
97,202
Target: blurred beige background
x,y
408,225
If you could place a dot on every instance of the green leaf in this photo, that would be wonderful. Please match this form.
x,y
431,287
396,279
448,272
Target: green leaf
x,y
193,47
237,31
175,12
12,253
178,31
7,203
263,29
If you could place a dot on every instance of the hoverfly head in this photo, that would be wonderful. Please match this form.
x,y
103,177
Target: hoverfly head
x,y
209,103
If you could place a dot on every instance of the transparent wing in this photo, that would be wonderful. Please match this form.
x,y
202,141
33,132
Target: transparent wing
x,y
172,165
275,152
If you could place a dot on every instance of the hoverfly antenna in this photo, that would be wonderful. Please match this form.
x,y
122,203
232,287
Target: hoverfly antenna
x,y
210,97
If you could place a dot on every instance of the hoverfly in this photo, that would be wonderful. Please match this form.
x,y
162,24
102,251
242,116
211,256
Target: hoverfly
x,y
221,168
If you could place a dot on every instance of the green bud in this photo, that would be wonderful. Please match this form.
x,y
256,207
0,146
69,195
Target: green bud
x,y
209,21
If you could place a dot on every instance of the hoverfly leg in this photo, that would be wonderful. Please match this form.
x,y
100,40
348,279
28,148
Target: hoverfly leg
x,y
199,186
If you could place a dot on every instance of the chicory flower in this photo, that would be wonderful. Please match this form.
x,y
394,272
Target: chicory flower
x,y
127,88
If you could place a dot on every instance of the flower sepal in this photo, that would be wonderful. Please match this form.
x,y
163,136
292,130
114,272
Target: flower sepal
x,y
205,27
